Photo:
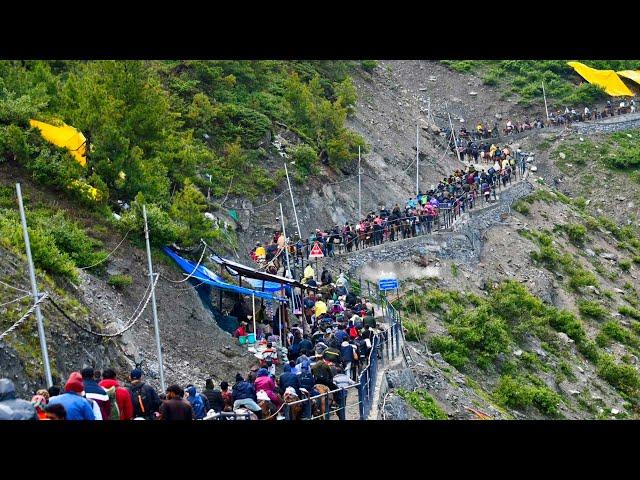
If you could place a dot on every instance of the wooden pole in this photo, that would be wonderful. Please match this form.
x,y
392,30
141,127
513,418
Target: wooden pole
x,y
545,100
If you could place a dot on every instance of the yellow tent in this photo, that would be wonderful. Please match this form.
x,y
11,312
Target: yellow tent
x,y
65,136
631,75
607,79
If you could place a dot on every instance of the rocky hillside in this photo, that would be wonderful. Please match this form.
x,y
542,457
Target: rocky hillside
x,y
545,325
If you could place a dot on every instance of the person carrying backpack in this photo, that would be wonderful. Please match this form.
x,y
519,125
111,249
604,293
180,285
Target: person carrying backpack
x,y
144,397
196,401
121,406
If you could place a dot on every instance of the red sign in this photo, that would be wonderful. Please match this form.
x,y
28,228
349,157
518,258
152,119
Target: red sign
x,y
316,251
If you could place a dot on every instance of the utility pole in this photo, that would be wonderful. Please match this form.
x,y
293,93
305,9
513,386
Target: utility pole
x,y
417,160
359,186
286,244
545,100
153,298
34,290
455,142
295,214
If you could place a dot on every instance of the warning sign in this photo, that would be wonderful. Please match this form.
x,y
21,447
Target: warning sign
x,y
316,251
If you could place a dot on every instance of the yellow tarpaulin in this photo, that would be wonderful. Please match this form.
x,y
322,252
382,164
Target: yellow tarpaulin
x,y
66,137
607,79
631,75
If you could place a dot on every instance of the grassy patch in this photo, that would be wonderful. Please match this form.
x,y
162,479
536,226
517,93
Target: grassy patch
x,y
423,403
592,309
120,281
629,312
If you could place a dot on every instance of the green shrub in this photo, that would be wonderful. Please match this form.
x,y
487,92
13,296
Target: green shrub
x,y
415,330
454,269
566,322
613,330
629,312
461,65
625,265
580,203
579,277
120,281
589,349
576,232
451,350
592,309
521,207
517,392
423,403
623,377
369,65
306,160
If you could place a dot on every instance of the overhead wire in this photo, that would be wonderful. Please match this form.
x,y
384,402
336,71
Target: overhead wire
x,y
110,253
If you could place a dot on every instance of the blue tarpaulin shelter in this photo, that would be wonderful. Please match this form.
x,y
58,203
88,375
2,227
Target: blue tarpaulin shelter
x,y
206,276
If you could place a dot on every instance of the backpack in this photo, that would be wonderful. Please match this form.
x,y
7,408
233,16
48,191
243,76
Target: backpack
x,y
115,411
332,354
140,400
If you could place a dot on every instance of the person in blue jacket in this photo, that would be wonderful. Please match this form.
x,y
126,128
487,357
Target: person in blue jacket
x,y
195,399
77,407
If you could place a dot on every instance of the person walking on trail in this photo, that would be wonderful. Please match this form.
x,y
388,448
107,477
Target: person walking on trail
x,y
122,396
216,402
289,379
144,397
320,306
76,406
175,407
55,412
265,382
342,381
227,396
95,392
309,273
12,408
326,277
348,355
322,372
244,395
39,402
197,402
261,253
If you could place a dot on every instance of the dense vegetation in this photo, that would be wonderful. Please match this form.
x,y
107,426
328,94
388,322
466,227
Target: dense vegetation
x,y
158,129
524,78
484,333
618,151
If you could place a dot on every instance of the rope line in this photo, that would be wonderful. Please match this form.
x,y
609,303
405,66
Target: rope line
x,y
110,253
13,301
25,316
193,271
108,335
15,288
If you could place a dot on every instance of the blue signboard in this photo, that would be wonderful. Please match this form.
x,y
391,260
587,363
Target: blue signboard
x,y
388,283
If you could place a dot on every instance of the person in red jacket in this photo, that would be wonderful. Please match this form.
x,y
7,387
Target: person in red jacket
x,y
123,399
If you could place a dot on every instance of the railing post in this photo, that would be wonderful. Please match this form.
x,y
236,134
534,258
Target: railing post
x,y
327,405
